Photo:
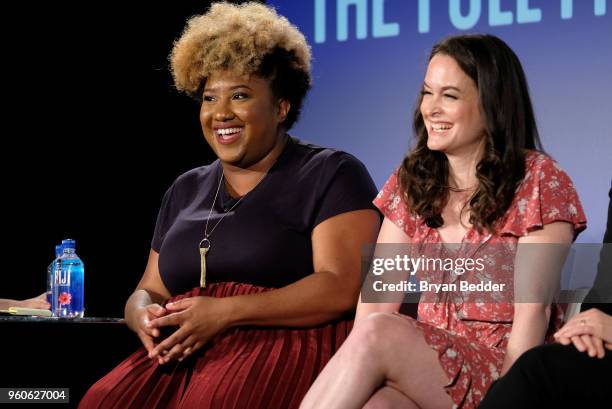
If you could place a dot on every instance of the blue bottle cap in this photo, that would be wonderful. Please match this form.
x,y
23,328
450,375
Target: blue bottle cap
x,y
59,249
68,244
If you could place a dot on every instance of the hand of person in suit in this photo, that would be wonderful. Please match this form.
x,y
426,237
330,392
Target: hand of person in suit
x,y
589,331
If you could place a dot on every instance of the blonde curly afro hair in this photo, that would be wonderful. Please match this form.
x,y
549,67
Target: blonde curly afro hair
x,y
246,39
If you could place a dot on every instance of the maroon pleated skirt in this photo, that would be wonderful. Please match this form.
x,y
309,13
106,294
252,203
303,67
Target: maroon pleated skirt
x,y
245,367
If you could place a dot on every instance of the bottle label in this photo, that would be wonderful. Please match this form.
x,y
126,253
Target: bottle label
x,y
62,277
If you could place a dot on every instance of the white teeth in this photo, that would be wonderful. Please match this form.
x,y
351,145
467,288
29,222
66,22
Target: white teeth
x,y
228,131
440,127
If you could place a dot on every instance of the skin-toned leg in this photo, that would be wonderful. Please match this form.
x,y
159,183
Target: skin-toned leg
x,y
388,397
383,349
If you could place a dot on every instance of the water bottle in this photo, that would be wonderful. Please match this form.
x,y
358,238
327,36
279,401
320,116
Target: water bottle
x,y
68,291
51,272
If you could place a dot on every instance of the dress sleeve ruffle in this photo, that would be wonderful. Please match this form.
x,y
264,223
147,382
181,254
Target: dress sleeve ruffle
x,y
546,195
390,202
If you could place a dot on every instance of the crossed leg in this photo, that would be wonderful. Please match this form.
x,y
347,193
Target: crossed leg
x,y
387,397
383,351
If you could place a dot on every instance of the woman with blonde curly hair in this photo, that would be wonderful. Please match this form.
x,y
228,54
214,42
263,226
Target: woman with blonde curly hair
x,y
255,258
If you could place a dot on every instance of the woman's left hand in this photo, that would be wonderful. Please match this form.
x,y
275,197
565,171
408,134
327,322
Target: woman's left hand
x,y
199,319
592,327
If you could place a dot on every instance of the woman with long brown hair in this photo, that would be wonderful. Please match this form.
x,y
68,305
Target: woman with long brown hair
x,y
476,178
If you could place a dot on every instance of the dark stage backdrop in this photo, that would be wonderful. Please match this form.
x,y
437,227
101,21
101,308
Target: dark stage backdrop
x,y
94,134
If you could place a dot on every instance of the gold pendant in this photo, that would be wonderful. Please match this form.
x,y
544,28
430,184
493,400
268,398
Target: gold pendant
x,y
204,248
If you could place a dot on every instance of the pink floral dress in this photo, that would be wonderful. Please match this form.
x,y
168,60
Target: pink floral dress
x,y
470,337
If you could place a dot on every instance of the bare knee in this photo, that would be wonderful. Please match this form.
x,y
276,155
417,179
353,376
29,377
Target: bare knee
x,y
382,332
378,402
389,398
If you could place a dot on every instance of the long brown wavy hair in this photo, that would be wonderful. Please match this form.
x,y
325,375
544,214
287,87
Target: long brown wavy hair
x,y
510,129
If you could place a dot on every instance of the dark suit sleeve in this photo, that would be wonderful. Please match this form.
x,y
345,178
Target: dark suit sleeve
x,y
600,296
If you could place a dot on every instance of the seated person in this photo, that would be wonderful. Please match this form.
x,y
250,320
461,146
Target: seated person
x,y
575,373
475,183
254,268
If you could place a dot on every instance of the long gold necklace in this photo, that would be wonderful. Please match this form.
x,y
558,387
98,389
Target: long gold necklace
x,y
205,243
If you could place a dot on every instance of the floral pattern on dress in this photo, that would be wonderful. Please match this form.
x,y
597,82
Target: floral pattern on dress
x,y
471,337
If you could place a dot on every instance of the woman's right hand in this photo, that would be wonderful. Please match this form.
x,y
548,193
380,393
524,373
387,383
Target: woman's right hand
x,y
140,319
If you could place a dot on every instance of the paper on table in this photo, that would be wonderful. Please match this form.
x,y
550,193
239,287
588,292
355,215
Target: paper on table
x,y
27,311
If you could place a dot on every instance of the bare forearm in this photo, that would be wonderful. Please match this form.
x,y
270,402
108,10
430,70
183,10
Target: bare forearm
x,y
528,331
536,274
5,303
313,300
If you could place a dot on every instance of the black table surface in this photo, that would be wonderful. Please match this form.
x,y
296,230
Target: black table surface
x,y
61,352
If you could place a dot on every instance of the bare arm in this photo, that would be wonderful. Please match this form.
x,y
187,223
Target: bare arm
x,y
531,317
389,233
316,299
150,289
328,293
144,303
39,302
5,303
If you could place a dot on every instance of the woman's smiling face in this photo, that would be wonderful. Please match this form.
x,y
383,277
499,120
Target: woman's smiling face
x,y
240,117
451,109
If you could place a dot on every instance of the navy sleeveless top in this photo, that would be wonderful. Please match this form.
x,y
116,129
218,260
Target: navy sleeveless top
x,y
265,240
